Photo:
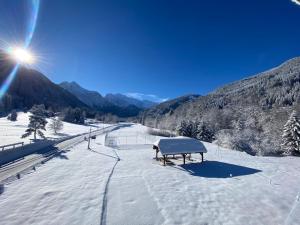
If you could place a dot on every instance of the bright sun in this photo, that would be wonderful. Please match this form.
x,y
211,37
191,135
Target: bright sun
x,y
21,55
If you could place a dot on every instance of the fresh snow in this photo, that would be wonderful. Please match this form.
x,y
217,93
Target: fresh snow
x,y
127,186
177,145
11,131
66,190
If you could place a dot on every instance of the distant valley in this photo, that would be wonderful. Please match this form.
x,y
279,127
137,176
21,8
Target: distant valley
x,y
246,115
31,87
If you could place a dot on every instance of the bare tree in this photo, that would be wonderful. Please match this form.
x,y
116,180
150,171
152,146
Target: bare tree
x,y
56,125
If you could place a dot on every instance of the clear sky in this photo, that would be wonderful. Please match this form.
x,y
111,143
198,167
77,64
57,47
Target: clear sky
x,y
165,48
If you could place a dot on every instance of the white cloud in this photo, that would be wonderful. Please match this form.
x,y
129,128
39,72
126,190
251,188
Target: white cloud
x,y
149,97
296,1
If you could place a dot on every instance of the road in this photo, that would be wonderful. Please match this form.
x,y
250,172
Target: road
x,y
13,169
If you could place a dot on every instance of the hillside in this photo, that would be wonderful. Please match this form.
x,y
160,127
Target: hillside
x,y
116,104
91,98
124,101
95,100
32,87
246,115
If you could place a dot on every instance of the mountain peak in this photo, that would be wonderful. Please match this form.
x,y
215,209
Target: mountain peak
x,y
125,101
70,84
91,98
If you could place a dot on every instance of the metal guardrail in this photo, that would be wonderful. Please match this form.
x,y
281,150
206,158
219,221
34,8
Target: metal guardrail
x,y
56,140
2,147
12,154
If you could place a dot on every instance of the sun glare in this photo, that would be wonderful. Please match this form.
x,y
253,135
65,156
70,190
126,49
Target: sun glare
x,y
21,55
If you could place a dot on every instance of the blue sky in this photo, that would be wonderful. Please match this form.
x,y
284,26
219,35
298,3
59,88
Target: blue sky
x,y
156,49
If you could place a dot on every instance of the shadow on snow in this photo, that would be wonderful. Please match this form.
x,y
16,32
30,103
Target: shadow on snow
x,y
215,169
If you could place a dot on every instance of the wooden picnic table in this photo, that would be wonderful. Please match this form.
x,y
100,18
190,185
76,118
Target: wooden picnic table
x,y
178,146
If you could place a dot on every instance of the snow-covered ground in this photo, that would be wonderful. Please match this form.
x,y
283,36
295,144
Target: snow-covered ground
x,y
11,132
93,187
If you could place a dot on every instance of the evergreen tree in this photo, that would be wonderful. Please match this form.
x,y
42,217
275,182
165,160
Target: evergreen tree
x,y
98,117
56,125
76,115
182,128
37,122
68,115
204,133
39,109
188,129
291,134
13,116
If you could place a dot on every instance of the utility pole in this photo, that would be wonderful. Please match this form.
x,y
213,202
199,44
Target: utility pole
x,y
89,138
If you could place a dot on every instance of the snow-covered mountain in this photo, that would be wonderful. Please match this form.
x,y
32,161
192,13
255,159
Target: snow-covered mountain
x,y
91,98
94,99
31,87
246,115
123,100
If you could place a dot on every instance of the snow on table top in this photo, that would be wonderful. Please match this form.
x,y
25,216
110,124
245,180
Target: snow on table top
x,y
177,145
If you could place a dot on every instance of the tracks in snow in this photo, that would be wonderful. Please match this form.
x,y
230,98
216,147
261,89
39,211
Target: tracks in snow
x,y
104,203
127,196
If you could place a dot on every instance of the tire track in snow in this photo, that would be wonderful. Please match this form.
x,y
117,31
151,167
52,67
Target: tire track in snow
x,y
104,202
294,206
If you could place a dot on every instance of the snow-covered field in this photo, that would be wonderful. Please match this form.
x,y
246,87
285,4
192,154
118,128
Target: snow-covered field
x,y
94,187
11,132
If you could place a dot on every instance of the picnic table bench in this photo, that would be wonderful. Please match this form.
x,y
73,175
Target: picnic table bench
x,y
178,146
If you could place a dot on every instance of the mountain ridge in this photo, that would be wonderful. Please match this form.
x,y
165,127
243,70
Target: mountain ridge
x,y
95,99
249,112
31,87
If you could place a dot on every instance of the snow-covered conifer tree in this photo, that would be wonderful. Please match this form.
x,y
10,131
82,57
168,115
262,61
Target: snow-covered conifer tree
x,y
204,133
291,134
37,122
188,129
13,116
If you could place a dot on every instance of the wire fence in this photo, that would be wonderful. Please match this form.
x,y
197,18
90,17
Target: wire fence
x,y
117,140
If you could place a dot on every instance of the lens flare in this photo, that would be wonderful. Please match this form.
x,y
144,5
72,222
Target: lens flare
x,y
296,2
22,55
35,5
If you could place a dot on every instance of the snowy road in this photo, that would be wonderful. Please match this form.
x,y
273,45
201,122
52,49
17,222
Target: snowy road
x,y
93,187
11,169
